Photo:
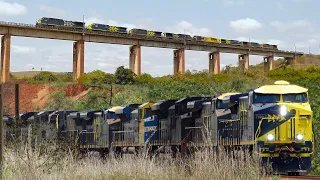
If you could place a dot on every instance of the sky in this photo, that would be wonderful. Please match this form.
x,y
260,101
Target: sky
x,y
291,24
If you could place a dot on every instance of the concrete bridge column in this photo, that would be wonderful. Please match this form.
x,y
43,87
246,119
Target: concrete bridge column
x,y
291,61
178,61
5,58
244,62
214,62
78,59
135,59
268,63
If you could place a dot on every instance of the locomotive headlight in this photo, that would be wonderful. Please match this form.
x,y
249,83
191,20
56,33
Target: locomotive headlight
x,y
299,137
283,110
270,137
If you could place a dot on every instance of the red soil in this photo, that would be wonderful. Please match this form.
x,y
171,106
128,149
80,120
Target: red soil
x,y
33,95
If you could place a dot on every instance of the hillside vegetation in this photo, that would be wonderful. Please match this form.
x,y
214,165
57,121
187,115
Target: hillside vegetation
x,y
124,87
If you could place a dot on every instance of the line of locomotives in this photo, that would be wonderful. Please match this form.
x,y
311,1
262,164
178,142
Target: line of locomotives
x,y
274,121
97,27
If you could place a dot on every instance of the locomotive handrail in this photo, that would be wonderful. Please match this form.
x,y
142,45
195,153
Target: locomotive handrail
x,y
121,131
194,127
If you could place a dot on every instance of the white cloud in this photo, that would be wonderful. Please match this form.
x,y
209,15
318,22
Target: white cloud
x,y
12,9
313,42
186,27
294,25
304,45
94,20
57,12
22,49
103,65
245,25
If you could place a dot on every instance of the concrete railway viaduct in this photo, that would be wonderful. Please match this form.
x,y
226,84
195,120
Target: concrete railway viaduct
x,y
79,37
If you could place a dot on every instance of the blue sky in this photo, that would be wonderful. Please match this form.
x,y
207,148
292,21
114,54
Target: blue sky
x,y
282,22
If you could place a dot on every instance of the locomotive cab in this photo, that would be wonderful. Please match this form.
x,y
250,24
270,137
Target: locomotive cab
x,y
127,125
112,124
161,110
203,122
181,119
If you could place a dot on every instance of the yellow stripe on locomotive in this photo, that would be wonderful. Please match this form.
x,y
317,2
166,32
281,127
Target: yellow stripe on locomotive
x,y
213,40
113,29
150,33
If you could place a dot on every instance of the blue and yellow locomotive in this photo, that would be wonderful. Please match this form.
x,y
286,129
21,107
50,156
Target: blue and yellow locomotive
x,y
275,121
283,126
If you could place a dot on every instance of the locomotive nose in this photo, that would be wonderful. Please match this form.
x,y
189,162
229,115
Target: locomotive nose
x,y
284,154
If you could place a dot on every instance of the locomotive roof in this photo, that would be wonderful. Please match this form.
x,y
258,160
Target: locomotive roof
x,y
233,98
197,104
187,99
113,109
120,110
143,105
84,114
134,111
280,87
44,112
27,115
227,94
163,104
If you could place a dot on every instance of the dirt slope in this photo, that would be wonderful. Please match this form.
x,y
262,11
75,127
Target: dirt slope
x,y
33,95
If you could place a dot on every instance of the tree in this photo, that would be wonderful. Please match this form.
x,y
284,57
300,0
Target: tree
x,y
95,78
45,76
125,76
59,101
145,78
109,79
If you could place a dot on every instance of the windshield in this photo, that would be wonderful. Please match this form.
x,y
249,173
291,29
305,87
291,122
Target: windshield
x,y
111,115
299,97
221,105
266,98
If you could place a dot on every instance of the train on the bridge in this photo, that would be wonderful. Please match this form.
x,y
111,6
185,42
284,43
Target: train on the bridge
x,y
274,121
46,22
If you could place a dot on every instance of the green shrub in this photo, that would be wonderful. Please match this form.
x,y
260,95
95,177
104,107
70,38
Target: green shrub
x,y
45,76
59,101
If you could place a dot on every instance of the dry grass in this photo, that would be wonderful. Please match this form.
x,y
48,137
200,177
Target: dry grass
x,y
47,163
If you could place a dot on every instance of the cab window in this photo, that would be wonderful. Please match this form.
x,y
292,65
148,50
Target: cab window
x,y
299,97
266,98
111,115
221,105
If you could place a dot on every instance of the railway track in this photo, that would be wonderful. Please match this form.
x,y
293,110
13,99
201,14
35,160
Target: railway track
x,y
299,177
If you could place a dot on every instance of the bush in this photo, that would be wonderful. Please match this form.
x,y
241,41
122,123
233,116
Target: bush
x,y
59,101
95,100
45,76
145,78
125,76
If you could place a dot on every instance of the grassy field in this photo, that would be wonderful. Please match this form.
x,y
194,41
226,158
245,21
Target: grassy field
x,y
48,163
27,74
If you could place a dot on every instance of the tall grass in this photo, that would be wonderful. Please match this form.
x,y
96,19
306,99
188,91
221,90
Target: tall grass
x,y
47,162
